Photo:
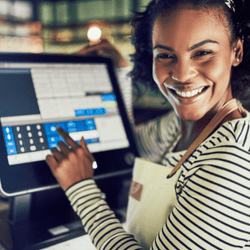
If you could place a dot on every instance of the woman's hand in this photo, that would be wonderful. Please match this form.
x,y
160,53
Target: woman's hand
x,y
71,164
105,48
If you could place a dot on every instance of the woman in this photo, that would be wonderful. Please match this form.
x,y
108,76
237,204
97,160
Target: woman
x,y
197,52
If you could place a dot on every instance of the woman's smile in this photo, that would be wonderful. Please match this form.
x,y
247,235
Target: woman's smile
x,y
186,95
189,94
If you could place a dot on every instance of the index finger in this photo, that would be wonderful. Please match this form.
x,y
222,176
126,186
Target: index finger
x,y
66,137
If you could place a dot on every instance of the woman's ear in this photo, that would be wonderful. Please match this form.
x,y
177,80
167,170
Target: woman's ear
x,y
237,52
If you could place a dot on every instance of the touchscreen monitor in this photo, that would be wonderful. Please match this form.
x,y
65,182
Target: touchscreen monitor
x,y
79,94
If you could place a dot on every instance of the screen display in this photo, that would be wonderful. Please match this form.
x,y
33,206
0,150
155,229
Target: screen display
x,y
37,97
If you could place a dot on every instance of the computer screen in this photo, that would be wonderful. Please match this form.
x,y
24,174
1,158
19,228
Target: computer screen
x,y
80,94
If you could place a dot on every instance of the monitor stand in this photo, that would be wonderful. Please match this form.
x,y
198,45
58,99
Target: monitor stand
x,y
38,220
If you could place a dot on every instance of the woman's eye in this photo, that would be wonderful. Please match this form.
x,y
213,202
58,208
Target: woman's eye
x,y
164,56
203,53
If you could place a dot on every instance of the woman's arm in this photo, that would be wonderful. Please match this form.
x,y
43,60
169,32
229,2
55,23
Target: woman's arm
x,y
72,167
98,219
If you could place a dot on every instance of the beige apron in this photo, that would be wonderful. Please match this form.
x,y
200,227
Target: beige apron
x,y
150,206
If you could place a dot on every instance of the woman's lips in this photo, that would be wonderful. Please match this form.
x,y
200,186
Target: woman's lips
x,y
190,93
186,92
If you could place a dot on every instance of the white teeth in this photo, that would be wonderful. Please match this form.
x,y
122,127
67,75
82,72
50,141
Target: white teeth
x,y
189,93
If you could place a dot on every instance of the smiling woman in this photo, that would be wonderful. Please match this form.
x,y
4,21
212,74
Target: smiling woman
x,y
197,53
199,60
235,25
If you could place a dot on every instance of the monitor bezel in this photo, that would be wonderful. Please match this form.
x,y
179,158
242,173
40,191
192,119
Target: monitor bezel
x,y
37,175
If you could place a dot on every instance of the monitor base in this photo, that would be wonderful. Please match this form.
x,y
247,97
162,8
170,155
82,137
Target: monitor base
x,y
52,222
26,237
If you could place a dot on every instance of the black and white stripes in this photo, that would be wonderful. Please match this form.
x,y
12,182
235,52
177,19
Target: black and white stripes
x,y
98,220
213,208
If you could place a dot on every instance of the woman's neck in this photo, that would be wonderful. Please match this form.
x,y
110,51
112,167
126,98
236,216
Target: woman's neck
x,y
192,129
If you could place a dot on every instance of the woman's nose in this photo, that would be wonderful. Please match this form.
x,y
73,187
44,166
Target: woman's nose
x,y
183,71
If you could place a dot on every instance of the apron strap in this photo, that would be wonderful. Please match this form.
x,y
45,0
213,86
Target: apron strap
x,y
227,108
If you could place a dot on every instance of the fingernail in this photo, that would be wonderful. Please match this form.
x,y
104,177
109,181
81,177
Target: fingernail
x,y
58,129
83,141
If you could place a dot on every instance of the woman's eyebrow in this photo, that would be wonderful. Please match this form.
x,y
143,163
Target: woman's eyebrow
x,y
163,47
197,45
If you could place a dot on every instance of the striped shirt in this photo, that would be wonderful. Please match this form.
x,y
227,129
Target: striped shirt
x,y
213,191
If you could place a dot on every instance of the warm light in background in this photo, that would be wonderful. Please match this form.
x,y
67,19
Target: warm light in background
x,y
94,34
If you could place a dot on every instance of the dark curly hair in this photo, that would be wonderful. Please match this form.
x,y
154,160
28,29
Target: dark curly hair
x,y
237,24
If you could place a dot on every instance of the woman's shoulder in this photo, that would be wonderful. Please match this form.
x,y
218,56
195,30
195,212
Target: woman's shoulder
x,y
232,137
227,148
235,132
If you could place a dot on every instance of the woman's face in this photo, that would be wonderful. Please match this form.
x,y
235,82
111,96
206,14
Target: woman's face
x,y
192,61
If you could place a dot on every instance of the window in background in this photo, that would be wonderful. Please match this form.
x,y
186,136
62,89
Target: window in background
x,y
21,10
4,8
18,31
66,23
62,12
46,13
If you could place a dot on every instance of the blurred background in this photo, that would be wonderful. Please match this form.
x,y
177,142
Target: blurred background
x,y
60,26
66,26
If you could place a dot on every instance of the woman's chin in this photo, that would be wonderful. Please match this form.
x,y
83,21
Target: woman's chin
x,y
192,115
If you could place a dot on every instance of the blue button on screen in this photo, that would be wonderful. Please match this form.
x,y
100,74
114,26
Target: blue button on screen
x,y
90,112
9,141
11,150
70,127
53,140
94,140
71,124
109,98
50,128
